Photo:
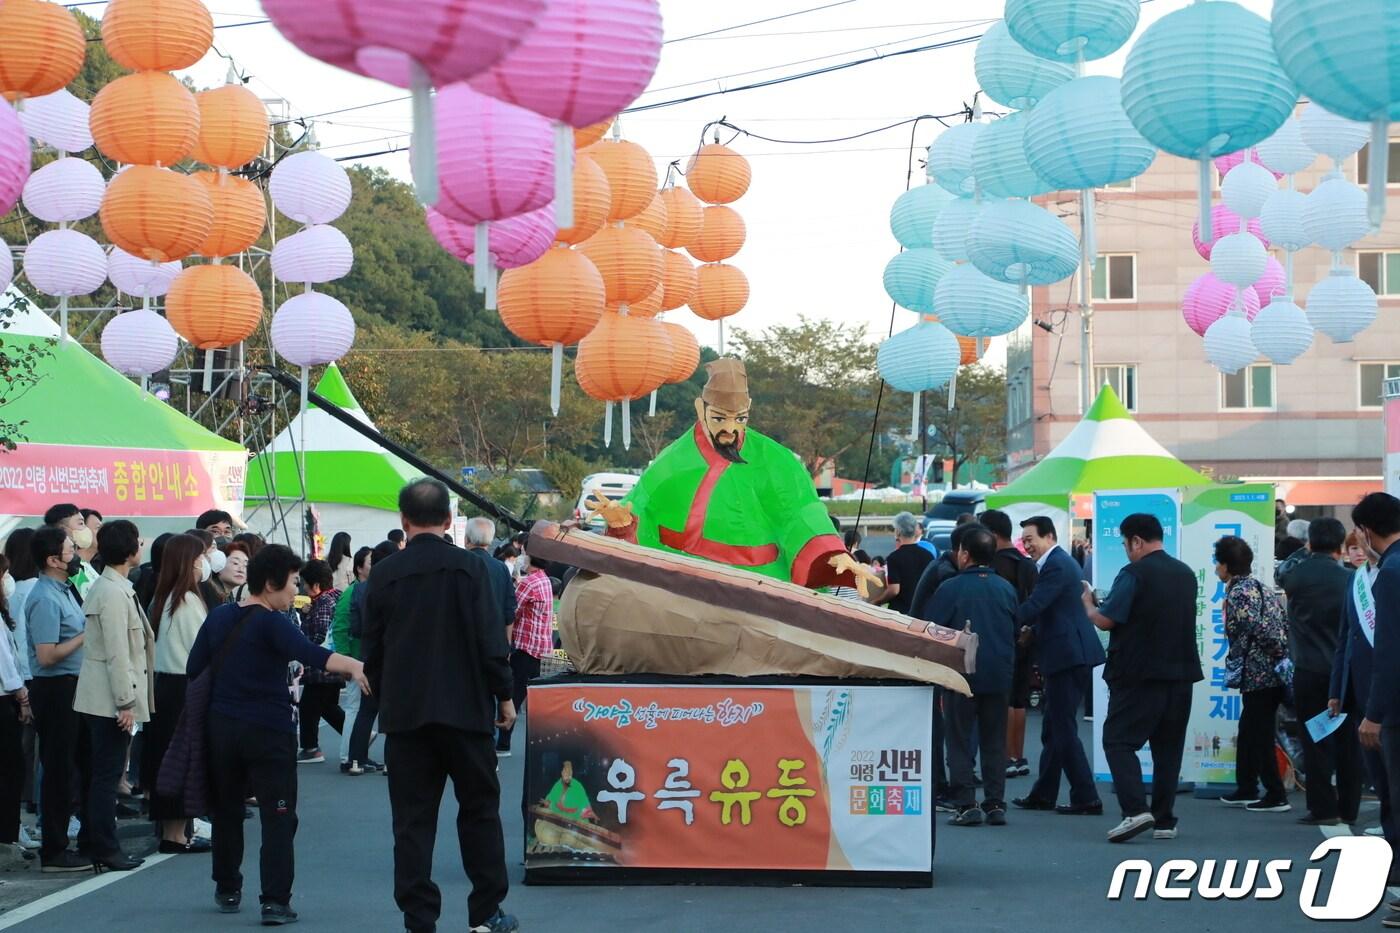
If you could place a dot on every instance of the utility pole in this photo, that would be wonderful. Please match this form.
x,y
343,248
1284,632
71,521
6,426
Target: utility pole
x,y
1086,299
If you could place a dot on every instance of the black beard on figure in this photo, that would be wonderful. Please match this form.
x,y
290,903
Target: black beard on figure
x,y
729,452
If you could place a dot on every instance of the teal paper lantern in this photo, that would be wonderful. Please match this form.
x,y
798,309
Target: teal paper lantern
x,y
1070,30
999,160
950,158
912,276
1012,76
923,358
1203,81
1022,243
975,305
913,214
1080,137
952,227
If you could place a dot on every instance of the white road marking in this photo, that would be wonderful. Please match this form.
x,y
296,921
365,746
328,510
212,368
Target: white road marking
x,y
59,898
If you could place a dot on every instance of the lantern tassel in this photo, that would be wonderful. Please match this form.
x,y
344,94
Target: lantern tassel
x,y
1378,172
651,413
563,176
555,377
953,390
1204,195
607,425
481,254
914,425
491,277
627,424
423,153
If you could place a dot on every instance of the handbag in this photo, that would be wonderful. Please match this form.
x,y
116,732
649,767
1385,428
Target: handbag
x,y
184,771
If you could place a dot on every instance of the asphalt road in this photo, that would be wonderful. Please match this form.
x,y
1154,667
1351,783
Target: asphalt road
x,y
1042,873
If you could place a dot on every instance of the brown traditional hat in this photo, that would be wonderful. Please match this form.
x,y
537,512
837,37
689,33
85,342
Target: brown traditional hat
x,y
728,385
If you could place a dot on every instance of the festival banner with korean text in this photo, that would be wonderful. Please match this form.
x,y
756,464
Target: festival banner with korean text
x,y
732,777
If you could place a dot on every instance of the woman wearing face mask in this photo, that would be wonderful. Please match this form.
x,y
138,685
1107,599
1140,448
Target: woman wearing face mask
x,y
179,610
214,561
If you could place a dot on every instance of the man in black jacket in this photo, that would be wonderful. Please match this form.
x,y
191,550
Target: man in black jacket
x,y
436,657
1018,570
1318,587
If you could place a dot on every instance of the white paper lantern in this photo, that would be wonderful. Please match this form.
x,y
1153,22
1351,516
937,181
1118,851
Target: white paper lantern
x,y
1285,152
310,188
1228,343
138,277
311,328
1341,305
1330,135
317,254
139,343
1238,259
1246,187
59,119
65,263
1023,243
64,191
952,226
950,158
7,266
976,305
1334,216
1281,331
1281,220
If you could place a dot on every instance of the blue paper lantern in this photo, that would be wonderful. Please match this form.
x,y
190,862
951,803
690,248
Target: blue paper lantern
x,y
1012,76
1023,243
999,160
950,158
954,223
920,359
1068,30
1080,136
975,305
913,214
912,276
1204,80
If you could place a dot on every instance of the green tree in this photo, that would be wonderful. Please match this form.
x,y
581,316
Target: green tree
x,y
19,370
975,428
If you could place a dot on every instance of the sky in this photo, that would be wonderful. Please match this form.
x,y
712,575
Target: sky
x,y
817,213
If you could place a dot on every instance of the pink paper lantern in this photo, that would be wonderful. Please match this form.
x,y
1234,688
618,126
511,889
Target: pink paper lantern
x,y
1223,222
494,159
1208,299
14,157
515,242
1271,284
1224,163
139,343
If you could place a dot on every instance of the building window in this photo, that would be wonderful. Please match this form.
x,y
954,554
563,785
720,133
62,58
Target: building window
x,y
1380,270
1372,376
1115,277
1392,168
1250,388
1122,378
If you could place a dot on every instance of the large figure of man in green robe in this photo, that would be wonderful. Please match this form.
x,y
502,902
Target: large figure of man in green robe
x,y
729,494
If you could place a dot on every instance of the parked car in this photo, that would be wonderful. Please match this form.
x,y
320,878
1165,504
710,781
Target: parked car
x,y
943,517
612,485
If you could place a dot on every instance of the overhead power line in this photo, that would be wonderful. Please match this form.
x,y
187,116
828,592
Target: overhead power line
x,y
759,22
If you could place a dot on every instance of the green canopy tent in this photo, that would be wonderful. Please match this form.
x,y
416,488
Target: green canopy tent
x,y
1106,450
353,484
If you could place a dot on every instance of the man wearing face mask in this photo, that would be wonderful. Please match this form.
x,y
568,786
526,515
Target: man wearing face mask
x,y
731,495
70,518
56,625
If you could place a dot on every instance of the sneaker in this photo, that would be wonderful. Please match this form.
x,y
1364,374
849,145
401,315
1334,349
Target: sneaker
x,y
944,805
1269,806
1130,827
967,816
1391,922
310,756
500,922
1239,799
228,902
996,814
1394,905
1013,768
26,840
1308,819
65,861
502,752
118,862
369,764
355,768
1023,767
276,915
1168,833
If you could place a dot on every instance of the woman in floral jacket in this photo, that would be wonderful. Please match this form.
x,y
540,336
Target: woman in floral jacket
x,y
1257,629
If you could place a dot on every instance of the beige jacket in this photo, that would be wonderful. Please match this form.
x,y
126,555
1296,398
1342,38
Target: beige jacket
x,y
118,652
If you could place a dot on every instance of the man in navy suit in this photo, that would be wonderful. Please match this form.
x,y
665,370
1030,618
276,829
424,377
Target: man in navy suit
x,y
1067,650
1377,520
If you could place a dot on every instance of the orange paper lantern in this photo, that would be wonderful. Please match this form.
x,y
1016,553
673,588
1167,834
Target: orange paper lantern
x,y
148,118
972,349
558,298
721,236
590,134
677,280
157,35
720,291
156,214
240,213
631,175
41,48
233,126
629,261
652,219
718,174
650,306
592,198
685,215
685,352
214,306
623,358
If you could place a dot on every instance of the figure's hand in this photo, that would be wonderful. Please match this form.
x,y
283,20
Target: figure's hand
x,y
505,714
126,719
1370,734
1334,708
864,576
616,514
1090,600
